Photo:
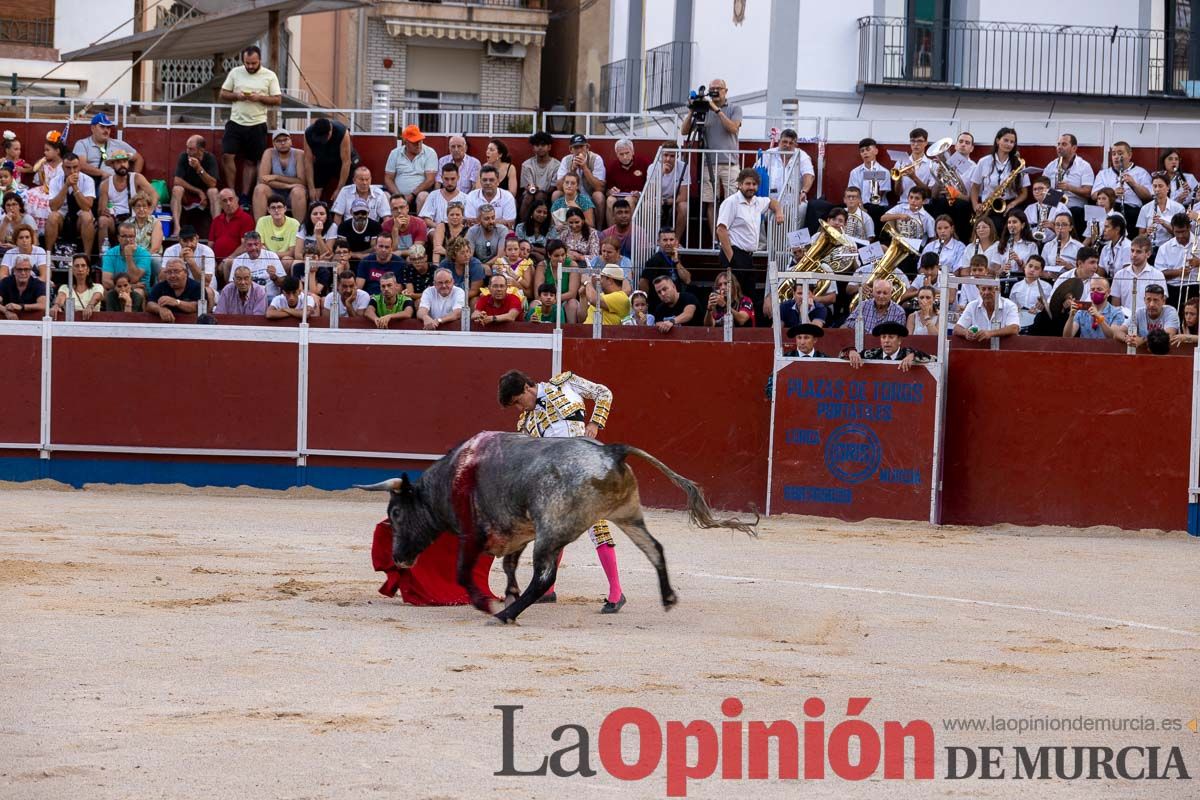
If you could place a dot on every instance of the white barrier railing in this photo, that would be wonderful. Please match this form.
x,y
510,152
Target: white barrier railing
x,y
303,337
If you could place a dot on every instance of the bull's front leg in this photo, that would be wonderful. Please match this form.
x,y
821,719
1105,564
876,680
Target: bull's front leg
x,y
545,569
512,589
468,556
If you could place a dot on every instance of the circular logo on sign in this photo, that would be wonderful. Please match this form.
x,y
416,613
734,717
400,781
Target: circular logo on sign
x,y
852,453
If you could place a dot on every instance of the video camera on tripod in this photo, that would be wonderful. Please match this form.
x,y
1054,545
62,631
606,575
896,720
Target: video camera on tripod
x,y
698,102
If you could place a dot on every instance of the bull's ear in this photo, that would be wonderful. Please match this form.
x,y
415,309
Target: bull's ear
x,y
405,486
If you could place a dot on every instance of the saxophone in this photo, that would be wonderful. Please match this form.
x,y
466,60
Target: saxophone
x,y
995,201
1062,172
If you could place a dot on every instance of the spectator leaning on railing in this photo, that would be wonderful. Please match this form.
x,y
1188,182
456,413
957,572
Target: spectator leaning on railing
x,y
176,292
390,303
20,292
242,295
738,224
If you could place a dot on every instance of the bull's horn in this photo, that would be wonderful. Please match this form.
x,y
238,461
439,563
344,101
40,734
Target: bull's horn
x,y
390,485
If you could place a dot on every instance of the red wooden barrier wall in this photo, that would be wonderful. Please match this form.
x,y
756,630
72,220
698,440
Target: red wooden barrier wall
x,y
1032,437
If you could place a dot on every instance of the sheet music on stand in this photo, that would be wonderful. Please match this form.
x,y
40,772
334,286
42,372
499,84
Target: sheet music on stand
x,y
800,238
899,157
1094,214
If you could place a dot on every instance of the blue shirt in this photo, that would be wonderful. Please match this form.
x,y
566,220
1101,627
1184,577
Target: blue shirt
x,y
1090,329
114,263
475,272
789,317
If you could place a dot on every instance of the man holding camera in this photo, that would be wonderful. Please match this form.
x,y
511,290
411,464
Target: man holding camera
x,y
719,127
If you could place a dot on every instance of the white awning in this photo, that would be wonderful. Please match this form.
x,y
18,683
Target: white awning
x,y
423,29
226,31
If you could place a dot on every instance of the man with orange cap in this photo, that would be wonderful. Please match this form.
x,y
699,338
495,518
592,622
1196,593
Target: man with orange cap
x,y
411,167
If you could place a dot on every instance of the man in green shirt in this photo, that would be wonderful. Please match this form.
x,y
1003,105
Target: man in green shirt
x,y
390,303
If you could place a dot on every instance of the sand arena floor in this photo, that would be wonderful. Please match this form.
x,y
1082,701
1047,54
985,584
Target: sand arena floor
x,y
217,644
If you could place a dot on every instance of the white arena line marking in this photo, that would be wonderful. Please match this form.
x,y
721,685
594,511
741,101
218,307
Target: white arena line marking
x,y
916,596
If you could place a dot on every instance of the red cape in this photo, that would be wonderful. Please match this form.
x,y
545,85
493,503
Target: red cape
x,y
431,581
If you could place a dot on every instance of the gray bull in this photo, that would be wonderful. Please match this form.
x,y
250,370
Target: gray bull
x,y
500,491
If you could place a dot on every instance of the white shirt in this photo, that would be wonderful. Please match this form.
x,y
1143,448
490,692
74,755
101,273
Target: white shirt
x,y
434,210
86,185
37,258
671,181
442,306
1080,173
503,201
869,188
1027,295
1182,194
785,173
925,171
204,255
1157,233
741,217
1022,249
968,252
361,301
1068,275
281,302
1114,255
378,204
595,163
259,270
949,253
1107,179
1051,252
1126,283
976,315
1172,255
468,171
922,216
989,174
1037,212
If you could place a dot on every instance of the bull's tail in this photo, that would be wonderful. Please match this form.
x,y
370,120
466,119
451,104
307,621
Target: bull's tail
x,y
698,509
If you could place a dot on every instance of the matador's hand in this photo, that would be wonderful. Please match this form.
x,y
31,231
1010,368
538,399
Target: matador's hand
x,y
592,430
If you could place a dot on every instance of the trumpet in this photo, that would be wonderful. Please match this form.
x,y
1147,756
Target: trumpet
x,y
899,172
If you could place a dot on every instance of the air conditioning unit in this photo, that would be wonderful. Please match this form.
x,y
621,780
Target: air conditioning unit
x,y
505,50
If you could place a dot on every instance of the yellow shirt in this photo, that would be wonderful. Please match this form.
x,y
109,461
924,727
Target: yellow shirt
x,y
278,240
240,82
618,309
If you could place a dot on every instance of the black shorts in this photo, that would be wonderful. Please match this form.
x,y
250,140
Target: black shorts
x,y
248,142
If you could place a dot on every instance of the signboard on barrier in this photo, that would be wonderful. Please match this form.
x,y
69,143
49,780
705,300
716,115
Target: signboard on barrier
x,y
853,443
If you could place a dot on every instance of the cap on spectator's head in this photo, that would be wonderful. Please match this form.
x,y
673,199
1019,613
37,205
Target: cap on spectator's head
x,y
578,140
892,328
281,133
412,134
815,331
102,119
117,155
187,232
359,205
511,235
613,271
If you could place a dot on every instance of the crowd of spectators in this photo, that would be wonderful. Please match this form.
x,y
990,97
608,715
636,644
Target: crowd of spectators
x,y
310,230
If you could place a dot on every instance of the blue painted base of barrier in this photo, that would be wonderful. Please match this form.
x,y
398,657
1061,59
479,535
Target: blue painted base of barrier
x,y
77,472
1194,519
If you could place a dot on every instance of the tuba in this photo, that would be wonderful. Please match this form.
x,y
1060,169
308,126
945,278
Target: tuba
x,y
995,201
823,246
946,174
885,267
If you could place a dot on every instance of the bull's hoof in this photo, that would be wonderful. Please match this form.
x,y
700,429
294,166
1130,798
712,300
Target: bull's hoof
x,y
504,619
548,597
611,607
669,601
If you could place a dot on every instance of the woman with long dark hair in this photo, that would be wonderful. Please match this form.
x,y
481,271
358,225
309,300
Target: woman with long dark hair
x,y
536,228
81,289
1015,246
996,169
497,155
1183,184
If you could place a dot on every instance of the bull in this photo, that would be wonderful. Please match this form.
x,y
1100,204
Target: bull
x,y
497,492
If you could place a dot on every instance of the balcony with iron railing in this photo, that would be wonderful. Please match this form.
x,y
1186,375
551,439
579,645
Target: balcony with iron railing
x,y
620,86
1024,58
25,32
668,75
